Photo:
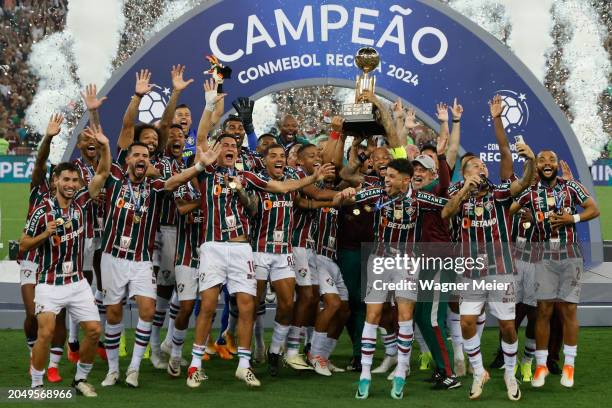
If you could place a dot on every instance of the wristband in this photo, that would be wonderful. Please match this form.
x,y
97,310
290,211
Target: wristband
x,y
456,120
334,135
210,107
576,218
199,167
140,95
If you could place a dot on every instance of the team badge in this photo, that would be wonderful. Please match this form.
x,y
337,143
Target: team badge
x,y
479,211
190,140
488,206
181,287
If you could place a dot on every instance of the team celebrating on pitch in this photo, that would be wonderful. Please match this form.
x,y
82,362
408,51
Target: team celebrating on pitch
x,y
185,215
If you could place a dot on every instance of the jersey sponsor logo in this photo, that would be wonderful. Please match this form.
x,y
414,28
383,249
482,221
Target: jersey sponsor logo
x,y
71,235
268,204
399,225
218,190
483,223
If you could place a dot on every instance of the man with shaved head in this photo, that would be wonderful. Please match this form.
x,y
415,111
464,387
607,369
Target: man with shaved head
x,y
288,136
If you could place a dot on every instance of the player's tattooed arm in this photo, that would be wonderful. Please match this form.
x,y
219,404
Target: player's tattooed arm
x,y
204,159
453,205
185,207
126,136
282,187
505,168
92,103
27,243
350,173
214,103
308,204
104,164
178,85
524,182
385,118
248,200
40,165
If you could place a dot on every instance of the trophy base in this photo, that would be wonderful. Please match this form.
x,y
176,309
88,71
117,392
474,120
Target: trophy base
x,y
363,125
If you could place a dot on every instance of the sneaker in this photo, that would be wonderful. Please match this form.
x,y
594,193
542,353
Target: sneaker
x,y
498,362
174,367
553,367
478,385
273,363
84,388
320,366
388,363
53,375
436,377
101,351
354,364
297,362
397,389
447,383
539,377
73,352
526,372
195,376
460,368
158,360
363,389
567,378
425,361
111,379
230,343
123,347
392,374
512,387
247,375
333,368
131,378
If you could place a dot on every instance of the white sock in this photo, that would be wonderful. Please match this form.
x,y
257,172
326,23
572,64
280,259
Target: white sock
x,y
368,346
308,333
55,356
244,355
279,336
258,332
161,306
510,351
454,326
329,346
405,337
197,352
73,329
570,353
541,357
418,336
82,371
112,336
317,343
178,338
293,341
141,339
472,349
528,354
390,343
480,323
37,377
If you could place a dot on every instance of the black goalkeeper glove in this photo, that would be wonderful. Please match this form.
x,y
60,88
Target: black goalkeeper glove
x,y
244,108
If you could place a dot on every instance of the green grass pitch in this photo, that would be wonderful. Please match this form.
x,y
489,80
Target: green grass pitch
x,y
291,389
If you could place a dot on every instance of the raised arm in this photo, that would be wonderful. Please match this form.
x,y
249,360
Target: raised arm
x,y
40,165
455,135
203,159
126,137
454,203
282,187
505,167
442,114
408,127
244,107
334,149
104,164
520,185
398,117
92,103
385,118
178,85
213,101
350,173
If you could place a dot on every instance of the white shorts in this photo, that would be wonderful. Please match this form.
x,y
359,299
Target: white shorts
x,y
229,263
186,282
157,249
91,246
559,279
75,297
120,274
390,284
312,266
501,303
525,283
27,272
167,251
330,278
300,267
273,266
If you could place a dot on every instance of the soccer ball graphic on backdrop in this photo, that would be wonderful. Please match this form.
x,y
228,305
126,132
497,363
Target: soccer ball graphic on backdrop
x,y
515,113
151,106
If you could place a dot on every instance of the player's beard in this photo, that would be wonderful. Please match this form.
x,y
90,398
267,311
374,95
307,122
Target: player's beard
x,y
548,179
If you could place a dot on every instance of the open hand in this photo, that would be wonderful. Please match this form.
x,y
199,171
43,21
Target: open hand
x,y
178,83
90,98
54,125
496,106
142,82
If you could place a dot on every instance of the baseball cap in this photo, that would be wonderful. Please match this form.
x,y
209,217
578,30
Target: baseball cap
x,y
424,161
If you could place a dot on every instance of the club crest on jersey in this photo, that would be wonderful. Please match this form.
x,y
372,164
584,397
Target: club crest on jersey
x,y
330,282
181,287
303,272
409,210
488,206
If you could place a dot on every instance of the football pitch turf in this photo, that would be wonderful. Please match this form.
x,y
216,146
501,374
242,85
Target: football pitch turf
x,y
592,388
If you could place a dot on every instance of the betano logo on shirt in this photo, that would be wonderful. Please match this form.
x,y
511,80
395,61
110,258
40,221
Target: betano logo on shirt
x,y
268,204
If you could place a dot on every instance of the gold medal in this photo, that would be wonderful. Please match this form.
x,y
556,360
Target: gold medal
x,y
367,208
550,201
136,219
59,221
356,211
68,225
479,211
233,185
526,225
397,214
